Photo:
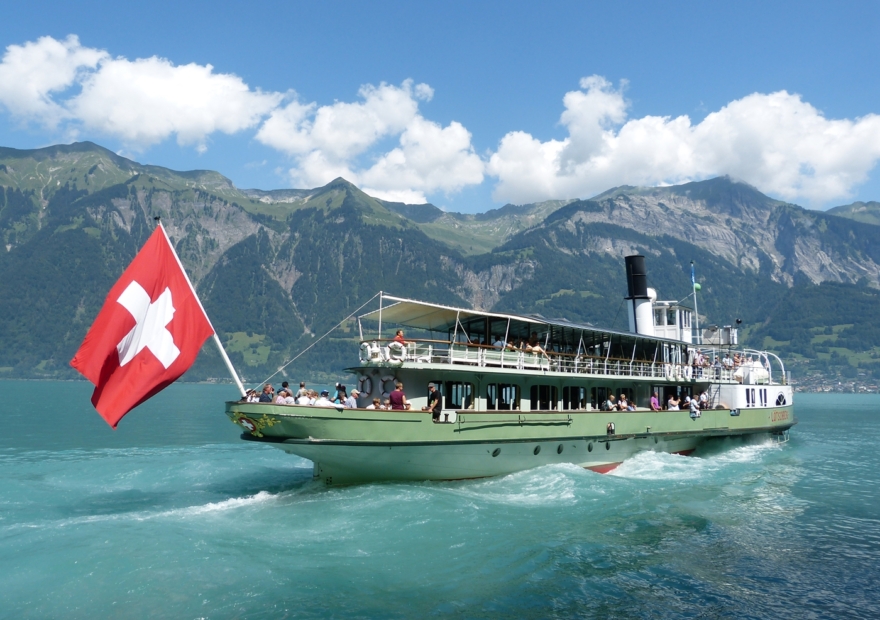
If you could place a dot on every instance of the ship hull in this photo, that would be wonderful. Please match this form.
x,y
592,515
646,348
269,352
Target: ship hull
x,y
356,445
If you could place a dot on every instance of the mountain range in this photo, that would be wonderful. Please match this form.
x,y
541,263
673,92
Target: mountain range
x,y
275,269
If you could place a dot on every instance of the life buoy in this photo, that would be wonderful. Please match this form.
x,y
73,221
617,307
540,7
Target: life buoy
x,y
668,370
386,388
396,352
365,385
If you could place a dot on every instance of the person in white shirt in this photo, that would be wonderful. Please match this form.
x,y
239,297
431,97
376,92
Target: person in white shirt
x,y
375,404
695,408
324,400
352,401
305,399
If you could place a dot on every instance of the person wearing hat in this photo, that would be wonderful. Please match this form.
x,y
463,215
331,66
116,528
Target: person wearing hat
x,y
352,401
324,399
434,404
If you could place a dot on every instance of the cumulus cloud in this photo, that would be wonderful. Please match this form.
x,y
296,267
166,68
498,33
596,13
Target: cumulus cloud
x,y
382,142
332,140
33,73
777,142
141,102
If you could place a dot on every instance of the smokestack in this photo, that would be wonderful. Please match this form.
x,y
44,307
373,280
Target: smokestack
x,y
640,306
636,277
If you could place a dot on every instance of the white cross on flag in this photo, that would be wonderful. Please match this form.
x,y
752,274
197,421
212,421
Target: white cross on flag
x,y
146,335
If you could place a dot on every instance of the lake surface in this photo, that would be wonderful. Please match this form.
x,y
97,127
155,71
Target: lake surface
x,y
173,516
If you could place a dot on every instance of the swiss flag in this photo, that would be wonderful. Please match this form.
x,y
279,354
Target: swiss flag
x,y
146,335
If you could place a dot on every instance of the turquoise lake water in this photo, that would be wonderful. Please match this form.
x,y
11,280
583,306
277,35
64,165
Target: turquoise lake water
x,y
172,516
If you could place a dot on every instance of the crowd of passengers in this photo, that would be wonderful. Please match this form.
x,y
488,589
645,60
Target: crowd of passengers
x,y
674,403
341,398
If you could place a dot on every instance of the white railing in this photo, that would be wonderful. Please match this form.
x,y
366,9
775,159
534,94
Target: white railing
x,y
442,352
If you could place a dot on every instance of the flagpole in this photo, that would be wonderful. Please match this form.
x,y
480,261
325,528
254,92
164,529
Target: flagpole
x,y
696,312
219,344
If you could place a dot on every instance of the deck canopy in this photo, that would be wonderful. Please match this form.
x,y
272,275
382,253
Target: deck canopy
x,y
462,325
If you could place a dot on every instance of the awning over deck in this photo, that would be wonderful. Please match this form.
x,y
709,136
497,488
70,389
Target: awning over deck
x,y
434,317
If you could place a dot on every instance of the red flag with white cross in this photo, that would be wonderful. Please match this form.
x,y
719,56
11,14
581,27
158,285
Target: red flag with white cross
x,y
147,334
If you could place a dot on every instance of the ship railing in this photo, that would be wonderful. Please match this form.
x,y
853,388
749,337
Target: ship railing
x,y
482,356
766,366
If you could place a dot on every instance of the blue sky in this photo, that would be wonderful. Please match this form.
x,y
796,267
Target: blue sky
x,y
482,103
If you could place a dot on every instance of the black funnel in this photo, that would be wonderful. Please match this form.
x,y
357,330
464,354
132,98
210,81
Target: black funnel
x,y
636,277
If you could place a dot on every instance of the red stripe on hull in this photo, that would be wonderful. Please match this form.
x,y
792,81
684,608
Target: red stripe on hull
x,y
603,469
684,452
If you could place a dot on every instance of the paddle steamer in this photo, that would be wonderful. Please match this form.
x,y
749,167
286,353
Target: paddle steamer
x,y
513,408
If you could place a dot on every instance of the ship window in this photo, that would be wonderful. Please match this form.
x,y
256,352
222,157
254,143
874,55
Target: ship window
x,y
658,316
670,316
459,395
502,396
544,397
574,397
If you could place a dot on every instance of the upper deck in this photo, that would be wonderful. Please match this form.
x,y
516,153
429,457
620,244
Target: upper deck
x,y
468,340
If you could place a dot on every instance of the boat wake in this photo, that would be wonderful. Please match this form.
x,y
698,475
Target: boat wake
x,y
666,466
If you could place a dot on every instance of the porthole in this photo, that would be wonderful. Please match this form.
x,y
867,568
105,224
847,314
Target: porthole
x,y
590,447
559,449
537,450
607,445
496,452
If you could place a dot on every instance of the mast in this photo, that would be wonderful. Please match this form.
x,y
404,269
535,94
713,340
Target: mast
x,y
696,311
219,344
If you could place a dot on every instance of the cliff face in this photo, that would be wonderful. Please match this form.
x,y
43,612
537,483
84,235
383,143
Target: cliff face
x,y
276,268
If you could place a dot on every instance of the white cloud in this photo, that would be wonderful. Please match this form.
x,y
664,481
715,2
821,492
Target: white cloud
x,y
140,102
338,140
32,73
777,142
382,142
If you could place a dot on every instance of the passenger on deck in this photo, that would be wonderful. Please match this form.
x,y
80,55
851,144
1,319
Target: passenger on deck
x,y
377,404
398,398
533,345
352,401
302,391
655,402
289,398
252,396
704,400
398,337
434,403
386,405
695,408
609,404
268,391
622,404
324,399
304,398
727,362
673,403
499,343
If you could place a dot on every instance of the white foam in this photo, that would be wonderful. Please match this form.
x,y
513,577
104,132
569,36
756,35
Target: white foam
x,y
233,503
659,466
